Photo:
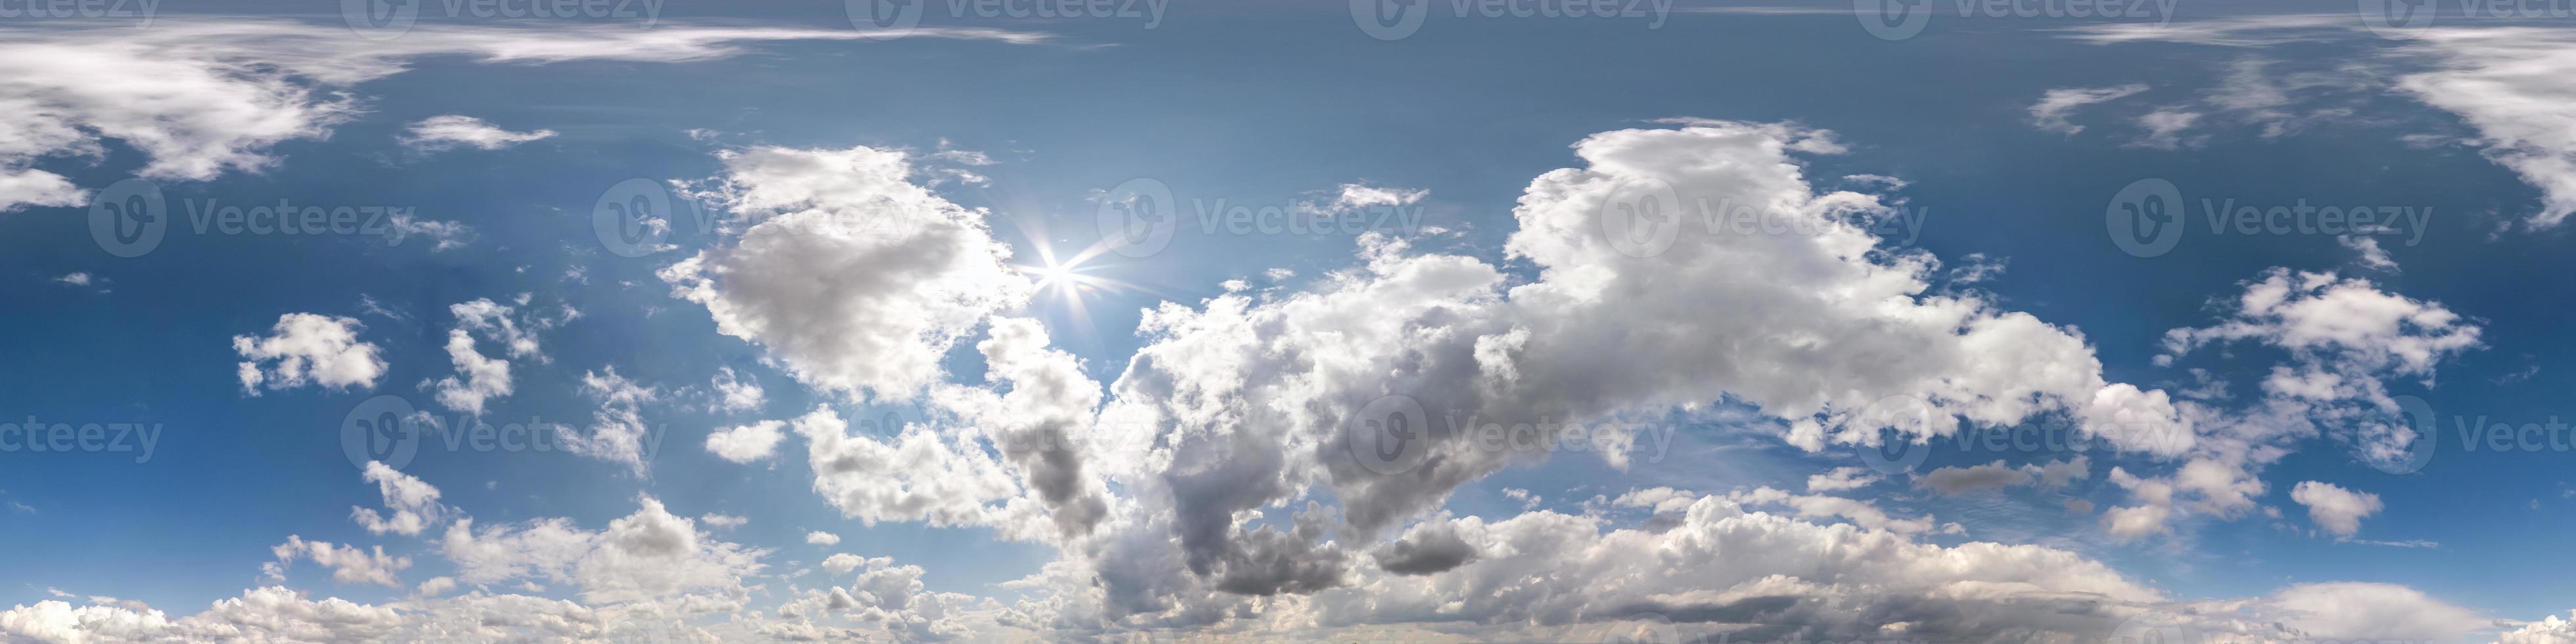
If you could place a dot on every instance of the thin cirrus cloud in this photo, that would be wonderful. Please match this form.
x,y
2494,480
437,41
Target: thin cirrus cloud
x,y
205,96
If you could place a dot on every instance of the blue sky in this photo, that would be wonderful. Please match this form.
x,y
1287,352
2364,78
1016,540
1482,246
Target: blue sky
x,y
884,271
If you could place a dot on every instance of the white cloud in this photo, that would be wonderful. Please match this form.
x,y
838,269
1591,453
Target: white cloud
x,y
2336,510
349,565
306,348
2549,630
480,378
2050,113
208,95
1841,478
736,393
822,538
2503,82
617,433
648,555
2164,129
853,278
452,130
746,443
412,503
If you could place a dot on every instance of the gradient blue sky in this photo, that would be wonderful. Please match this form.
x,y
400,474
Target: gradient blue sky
x,y
1277,104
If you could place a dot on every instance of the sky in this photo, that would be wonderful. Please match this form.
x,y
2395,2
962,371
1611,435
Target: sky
x,y
1451,320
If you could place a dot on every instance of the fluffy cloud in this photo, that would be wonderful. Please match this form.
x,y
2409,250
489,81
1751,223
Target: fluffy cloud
x,y
453,130
411,504
2336,510
480,378
617,433
349,565
2549,630
854,278
746,443
648,555
306,348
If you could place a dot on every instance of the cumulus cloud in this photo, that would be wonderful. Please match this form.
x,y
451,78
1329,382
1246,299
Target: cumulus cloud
x,y
821,538
747,443
2336,510
736,393
449,131
481,378
349,565
853,278
617,432
307,348
410,504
